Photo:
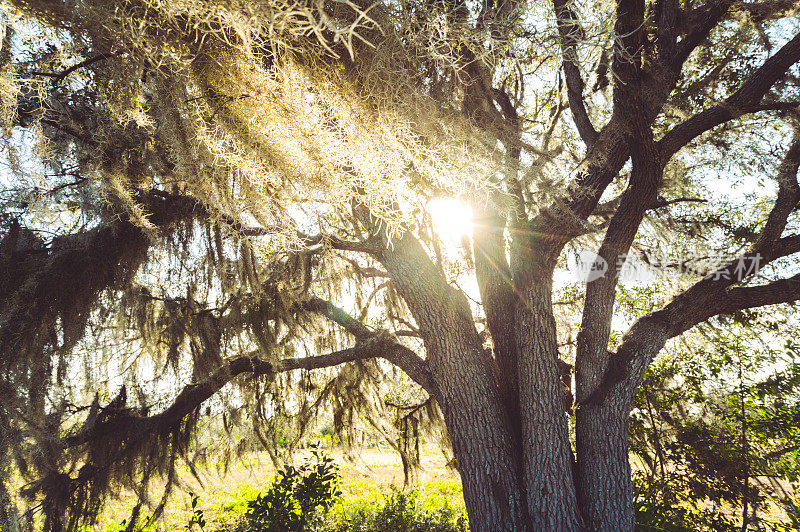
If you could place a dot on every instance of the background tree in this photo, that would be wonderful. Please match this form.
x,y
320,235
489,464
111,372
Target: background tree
x,y
205,186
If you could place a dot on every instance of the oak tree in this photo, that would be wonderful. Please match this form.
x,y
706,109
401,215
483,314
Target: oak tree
x,y
200,189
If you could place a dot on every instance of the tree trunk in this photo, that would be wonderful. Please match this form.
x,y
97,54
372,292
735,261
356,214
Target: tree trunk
x,y
548,456
604,485
474,411
479,428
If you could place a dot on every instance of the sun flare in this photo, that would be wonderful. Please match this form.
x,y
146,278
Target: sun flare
x,y
452,219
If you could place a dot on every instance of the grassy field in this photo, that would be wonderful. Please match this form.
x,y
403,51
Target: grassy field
x,y
223,496
366,480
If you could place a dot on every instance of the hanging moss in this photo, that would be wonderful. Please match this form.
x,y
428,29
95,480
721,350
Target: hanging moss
x,y
189,146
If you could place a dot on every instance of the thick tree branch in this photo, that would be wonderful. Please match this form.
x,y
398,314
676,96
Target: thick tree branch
x,y
193,395
607,154
788,106
368,247
396,353
416,277
648,166
320,240
666,14
787,200
555,226
745,100
628,30
563,220
569,30
780,291
709,297
609,207
437,307
650,333
592,357
339,316
493,275
702,20
83,64
785,246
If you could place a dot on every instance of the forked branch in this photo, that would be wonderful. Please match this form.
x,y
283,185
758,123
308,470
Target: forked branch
x,y
713,295
746,99
396,353
569,30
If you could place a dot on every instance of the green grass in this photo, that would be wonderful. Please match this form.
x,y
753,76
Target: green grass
x,y
224,510
223,498
368,494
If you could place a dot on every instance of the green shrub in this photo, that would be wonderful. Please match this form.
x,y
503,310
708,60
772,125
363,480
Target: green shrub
x,y
197,517
402,512
659,509
297,499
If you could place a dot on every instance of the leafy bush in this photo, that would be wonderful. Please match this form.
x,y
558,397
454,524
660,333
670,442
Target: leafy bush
x,y
297,499
658,509
402,512
197,517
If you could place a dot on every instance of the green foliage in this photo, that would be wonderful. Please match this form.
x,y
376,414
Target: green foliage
x,y
197,517
403,512
658,508
235,505
298,497
717,428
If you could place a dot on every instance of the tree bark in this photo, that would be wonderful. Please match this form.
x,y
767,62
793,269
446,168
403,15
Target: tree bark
x,y
493,275
476,420
545,435
473,408
485,455
604,474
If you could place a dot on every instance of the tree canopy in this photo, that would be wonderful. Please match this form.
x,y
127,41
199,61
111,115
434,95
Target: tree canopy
x,y
255,210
